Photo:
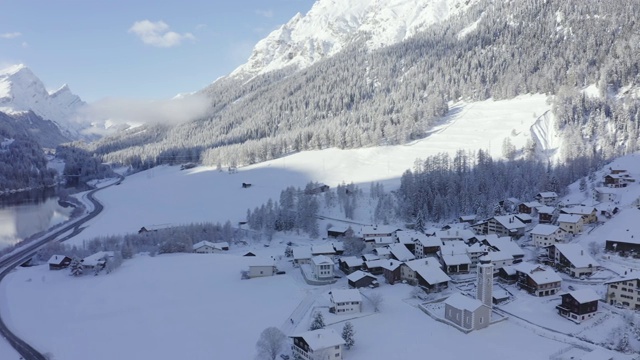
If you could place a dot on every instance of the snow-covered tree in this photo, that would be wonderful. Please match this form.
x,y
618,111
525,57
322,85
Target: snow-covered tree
x,y
76,267
347,335
270,343
318,321
376,300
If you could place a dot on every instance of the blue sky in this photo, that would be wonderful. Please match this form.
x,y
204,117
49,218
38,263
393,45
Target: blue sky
x,y
138,49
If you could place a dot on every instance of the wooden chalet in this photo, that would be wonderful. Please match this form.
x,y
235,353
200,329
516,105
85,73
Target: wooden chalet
x,y
579,305
59,262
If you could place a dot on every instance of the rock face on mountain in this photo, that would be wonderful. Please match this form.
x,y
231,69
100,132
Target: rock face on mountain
x,y
332,25
22,91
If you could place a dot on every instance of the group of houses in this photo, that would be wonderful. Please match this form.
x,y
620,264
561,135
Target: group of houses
x,y
92,262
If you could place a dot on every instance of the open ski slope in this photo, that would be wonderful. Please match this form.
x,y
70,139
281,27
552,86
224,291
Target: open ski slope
x,y
166,196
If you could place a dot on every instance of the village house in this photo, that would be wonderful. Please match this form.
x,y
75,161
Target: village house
x,y
510,204
383,252
499,259
466,312
524,218
345,301
572,224
322,267
377,231
302,255
318,344
572,259
589,214
375,267
543,235
455,257
467,219
454,234
400,252
537,280
530,208
507,225
260,267
624,292
579,305
339,231
506,244
59,262
618,180
359,279
603,194
426,245
392,272
425,273
547,198
326,249
546,214
628,244
207,247
350,264
475,251
97,260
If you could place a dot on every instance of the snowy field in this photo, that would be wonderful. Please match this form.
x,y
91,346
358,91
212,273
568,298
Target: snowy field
x,y
166,196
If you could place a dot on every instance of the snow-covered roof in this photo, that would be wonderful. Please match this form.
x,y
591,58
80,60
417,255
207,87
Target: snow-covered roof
x,y
538,273
202,244
506,244
455,247
345,295
569,218
383,251
352,261
409,236
56,259
376,230
432,274
391,264
576,255
509,270
320,249
321,260
524,217
544,229
262,261
509,222
96,258
302,253
626,278
532,204
463,302
546,210
547,194
321,338
338,245
400,252
357,275
380,240
376,263
461,234
456,259
370,257
584,295
500,293
468,217
338,228
579,210
499,256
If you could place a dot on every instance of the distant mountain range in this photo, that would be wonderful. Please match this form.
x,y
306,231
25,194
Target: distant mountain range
x,y
333,25
22,91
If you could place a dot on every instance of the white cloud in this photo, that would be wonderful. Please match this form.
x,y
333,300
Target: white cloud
x,y
11,35
25,44
265,13
158,34
134,112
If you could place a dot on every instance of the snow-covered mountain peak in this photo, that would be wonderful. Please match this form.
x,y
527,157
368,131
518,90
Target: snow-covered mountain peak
x,y
21,91
331,25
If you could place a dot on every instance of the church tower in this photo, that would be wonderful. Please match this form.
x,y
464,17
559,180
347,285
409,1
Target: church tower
x,y
485,281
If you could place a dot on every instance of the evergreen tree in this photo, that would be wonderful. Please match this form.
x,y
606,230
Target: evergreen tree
x,y
318,321
76,267
347,335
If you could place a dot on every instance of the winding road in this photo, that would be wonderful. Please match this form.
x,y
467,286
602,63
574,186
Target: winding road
x,y
26,351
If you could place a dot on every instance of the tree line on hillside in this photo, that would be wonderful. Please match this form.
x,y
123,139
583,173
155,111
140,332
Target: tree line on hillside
x,y
395,94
